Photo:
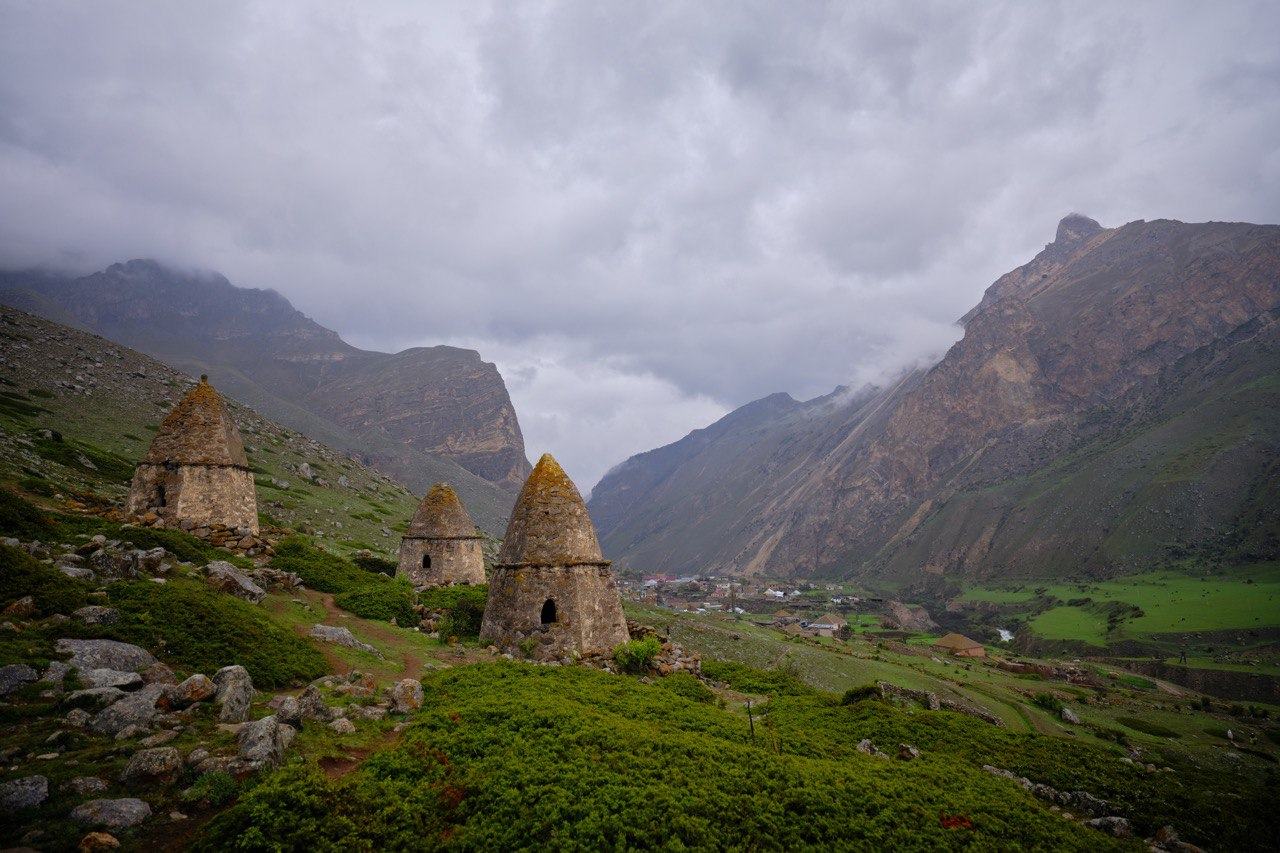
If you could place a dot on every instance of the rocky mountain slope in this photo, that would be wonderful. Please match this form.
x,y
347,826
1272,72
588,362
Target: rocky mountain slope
x,y
1114,404
423,415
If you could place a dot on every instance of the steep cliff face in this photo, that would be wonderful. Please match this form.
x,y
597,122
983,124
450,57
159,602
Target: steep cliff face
x,y
1112,402
424,415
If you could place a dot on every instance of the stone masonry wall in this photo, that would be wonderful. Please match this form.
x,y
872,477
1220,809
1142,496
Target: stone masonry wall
x,y
453,561
221,496
588,610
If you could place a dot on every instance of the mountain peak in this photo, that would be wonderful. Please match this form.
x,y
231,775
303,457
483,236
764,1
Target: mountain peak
x,y
1074,227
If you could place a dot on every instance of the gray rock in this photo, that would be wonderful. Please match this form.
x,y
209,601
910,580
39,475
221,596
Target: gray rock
x,y
406,696
87,785
110,678
227,578
159,738
234,766
136,709
132,731
235,693
158,673
866,747
308,706
342,637
77,718
197,688
96,614
907,752
343,726
96,697
161,766
115,814
1112,824
56,671
25,793
262,742
149,561
15,675
197,755
1069,716
105,654
114,565
79,573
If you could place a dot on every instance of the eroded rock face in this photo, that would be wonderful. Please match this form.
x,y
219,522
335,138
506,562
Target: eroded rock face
x,y
263,742
105,654
14,676
134,709
113,814
235,693
197,688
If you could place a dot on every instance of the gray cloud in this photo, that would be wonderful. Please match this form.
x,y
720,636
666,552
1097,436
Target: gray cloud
x,y
644,213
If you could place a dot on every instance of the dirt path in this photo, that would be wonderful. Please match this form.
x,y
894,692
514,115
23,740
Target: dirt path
x,y
384,633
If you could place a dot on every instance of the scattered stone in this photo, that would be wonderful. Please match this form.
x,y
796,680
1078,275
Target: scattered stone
x,y
131,731
907,752
95,841
406,696
234,766
23,608
56,671
96,614
105,654
79,573
25,793
94,678
87,785
197,755
1117,826
98,697
114,814
342,637
225,577
77,718
866,747
15,675
197,688
342,726
159,738
160,766
308,706
235,693
1069,716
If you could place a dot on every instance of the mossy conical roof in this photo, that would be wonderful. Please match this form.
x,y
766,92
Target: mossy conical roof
x,y
549,525
199,431
441,515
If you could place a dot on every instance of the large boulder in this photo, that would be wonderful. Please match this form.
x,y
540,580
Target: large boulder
x,y
160,766
342,637
95,697
14,676
406,696
197,688
225,577
23,608
105,654
114,814
263,742
25,793
135,709
235,693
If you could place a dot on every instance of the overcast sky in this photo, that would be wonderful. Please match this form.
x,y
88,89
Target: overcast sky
x,y
645,213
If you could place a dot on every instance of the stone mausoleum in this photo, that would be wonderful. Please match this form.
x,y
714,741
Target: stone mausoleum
x,y
441,546
551,592
196,469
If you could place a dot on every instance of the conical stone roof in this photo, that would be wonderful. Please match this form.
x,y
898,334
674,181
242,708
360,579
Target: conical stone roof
x,y
199,431
549,525
441,515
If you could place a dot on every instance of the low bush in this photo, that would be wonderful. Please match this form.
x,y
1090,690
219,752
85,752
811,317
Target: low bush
x,y
1147,727
637,655
53,592
321,570
860,694
384,601
1047,701
463,606
21,520
686,685
375,564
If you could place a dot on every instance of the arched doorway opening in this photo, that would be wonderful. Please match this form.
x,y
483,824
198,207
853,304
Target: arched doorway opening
x,y
549,612
426,561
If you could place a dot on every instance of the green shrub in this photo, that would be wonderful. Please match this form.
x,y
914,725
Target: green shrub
x,y
375,564
1147,727
21,520
747,679
21,575
204,630
185,546
463,606
321,570
637,655
860,694
686,685
212,789
1048,701
385,602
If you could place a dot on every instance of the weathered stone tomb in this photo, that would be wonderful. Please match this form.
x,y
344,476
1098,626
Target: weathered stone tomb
x,y
441,546
551,592
196,469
